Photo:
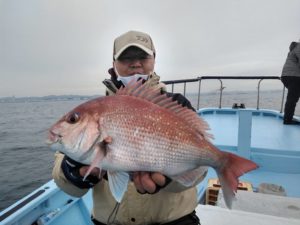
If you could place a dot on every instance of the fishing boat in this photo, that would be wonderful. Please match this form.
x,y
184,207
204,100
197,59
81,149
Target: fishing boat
x,y
269,195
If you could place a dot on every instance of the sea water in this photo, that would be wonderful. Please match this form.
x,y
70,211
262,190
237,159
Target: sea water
x,y
26,161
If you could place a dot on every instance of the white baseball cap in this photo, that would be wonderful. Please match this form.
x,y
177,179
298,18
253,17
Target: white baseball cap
x,y
133,38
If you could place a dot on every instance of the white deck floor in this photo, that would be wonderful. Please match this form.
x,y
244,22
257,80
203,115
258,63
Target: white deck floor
x,y
211,215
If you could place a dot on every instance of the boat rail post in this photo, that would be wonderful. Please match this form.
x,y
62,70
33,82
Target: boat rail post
x,y
199,89
258,94
221,93
184,88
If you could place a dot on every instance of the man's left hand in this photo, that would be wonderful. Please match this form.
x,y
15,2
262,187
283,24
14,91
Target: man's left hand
x,y
149,182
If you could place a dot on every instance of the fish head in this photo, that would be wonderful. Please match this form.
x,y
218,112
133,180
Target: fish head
x,y
76,132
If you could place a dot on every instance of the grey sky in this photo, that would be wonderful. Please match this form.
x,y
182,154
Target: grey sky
x,y
65,46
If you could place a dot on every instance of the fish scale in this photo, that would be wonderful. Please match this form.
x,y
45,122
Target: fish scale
x,y
154,144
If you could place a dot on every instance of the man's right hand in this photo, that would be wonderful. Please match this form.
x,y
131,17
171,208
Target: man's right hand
x,y
94,172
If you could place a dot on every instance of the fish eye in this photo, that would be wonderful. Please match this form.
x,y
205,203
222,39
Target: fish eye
x,y
73,118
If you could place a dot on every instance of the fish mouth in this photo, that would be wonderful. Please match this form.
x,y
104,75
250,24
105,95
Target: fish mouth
x,y
53,138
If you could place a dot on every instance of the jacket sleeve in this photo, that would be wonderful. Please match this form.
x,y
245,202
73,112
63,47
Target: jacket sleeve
x,y
67,179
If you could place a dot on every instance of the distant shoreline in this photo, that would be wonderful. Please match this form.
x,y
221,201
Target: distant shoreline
x,y
47,98
14,99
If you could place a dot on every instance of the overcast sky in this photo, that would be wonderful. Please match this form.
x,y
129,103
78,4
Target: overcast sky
x,y
65,46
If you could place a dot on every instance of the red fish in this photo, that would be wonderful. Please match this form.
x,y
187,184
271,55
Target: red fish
x,y
139,129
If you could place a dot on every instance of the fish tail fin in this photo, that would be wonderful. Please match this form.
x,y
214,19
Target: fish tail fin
x,y
233,167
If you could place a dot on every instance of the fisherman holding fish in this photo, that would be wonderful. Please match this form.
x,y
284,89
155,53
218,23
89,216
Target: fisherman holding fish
x,y
142,150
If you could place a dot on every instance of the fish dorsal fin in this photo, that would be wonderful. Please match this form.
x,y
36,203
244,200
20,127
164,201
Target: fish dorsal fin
x,y
153,94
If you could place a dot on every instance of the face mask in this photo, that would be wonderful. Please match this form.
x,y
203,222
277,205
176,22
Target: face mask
x,y
126,80
135,77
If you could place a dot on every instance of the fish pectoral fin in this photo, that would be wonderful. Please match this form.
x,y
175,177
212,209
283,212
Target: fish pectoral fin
x,y
191,177
100,154
118,182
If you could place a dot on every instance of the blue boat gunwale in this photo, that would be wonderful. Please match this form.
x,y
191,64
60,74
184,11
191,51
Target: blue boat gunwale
x,y
45,199
34,198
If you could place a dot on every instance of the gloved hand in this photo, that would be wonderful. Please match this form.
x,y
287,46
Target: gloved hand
x,y
75,171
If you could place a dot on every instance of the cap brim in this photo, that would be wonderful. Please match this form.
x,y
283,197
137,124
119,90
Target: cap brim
x,y
147,50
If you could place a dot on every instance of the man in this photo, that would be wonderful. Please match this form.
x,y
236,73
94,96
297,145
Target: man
x,y
151,198
291,79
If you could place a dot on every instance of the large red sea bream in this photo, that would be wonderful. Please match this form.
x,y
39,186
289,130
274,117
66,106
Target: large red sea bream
x,y
138,129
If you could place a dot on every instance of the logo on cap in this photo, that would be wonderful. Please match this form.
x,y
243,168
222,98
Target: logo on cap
x,y
141,38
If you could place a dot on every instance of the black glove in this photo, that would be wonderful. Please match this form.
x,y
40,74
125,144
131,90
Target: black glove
x,y
71,168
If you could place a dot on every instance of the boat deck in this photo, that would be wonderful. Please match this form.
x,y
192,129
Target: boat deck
x,y
211,215
224,127
275,148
